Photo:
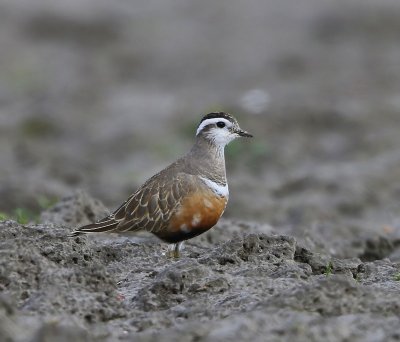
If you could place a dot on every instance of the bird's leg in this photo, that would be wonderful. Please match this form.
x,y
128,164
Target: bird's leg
x,y
174,250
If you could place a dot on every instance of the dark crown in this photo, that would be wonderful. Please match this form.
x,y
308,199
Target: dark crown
x,y
219,115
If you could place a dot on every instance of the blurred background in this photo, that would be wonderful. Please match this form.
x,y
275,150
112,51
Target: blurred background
x,y
100,95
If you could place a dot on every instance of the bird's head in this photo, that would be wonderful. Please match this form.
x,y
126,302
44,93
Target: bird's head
x,y
220,129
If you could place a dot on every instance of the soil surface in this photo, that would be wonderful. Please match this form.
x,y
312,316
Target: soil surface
x,y
239,281
99,95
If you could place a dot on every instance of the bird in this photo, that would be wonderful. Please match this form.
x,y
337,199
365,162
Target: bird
x,y
185,199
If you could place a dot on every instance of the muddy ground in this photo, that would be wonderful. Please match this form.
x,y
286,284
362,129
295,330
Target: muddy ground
x,y
240,281
99,95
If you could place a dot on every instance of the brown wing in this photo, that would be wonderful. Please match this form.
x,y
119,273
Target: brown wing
x,y
153,205
107,224
149,208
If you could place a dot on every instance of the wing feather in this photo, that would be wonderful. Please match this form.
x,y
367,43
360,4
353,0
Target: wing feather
x,y
150,208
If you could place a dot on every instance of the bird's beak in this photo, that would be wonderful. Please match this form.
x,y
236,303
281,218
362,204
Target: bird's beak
x,y
244,134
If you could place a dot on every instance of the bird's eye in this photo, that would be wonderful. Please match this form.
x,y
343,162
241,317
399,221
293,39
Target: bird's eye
x,y
220,124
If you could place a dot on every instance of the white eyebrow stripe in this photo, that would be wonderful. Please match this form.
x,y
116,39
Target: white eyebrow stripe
x,y
219,189
212,121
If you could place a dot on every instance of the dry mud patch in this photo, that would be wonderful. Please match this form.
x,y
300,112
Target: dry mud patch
x,y
240,280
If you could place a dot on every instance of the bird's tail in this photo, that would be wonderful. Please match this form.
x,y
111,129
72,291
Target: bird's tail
x,y
105,225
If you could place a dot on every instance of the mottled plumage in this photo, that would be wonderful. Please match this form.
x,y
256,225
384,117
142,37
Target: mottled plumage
x,y
186,198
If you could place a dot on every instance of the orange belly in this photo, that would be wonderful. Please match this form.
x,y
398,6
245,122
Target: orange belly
x,y
197,214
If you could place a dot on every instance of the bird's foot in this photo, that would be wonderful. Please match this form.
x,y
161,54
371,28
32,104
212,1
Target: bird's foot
x,y
174,250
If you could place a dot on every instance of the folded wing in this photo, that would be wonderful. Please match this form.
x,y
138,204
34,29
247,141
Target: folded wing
x,y
150,208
